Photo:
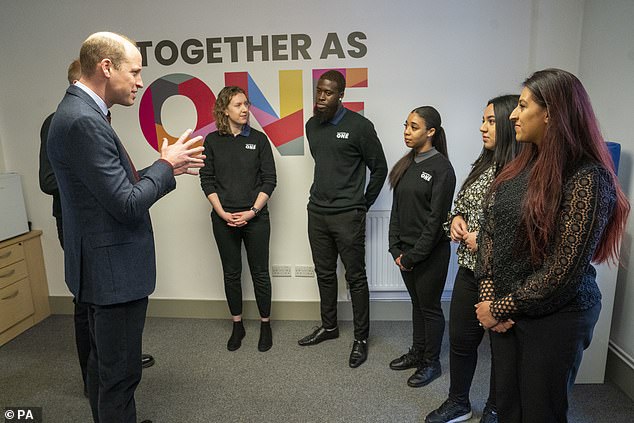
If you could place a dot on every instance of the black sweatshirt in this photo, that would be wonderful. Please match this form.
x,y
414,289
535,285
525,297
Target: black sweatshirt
x,y
422,199
342,149
238,168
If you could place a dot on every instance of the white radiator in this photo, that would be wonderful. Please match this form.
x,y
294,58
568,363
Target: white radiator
x,y
383,275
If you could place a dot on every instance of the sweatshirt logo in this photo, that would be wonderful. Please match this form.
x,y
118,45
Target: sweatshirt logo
x,y
426,176
343,135
249,146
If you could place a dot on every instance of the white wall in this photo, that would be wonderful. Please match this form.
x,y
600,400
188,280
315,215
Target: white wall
x,y
454,55
2,167
556,34
607,71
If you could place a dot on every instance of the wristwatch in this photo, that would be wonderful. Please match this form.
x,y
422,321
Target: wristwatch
x,y
255,210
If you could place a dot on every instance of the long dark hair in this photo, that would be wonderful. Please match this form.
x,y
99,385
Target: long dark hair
x,y
506,147
439,141
572,136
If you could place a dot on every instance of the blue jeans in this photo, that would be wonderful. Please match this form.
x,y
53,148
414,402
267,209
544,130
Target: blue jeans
x,y
536,363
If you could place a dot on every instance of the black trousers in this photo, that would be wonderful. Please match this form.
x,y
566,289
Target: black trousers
x,y
330,236
256,235
425,284
114,365
465,335
82,338
536,363
82,332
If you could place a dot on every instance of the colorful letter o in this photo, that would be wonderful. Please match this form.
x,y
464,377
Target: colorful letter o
x,y
165,87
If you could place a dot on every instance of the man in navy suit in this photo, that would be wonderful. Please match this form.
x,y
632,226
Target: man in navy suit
x,y
48,184
108,240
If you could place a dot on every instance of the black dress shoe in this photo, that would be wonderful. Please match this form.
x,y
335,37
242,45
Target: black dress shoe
x,y
412,359
147,361
359,353
424,375
319,335
146,421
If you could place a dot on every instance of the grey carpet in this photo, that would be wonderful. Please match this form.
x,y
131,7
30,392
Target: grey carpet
x,y
196,379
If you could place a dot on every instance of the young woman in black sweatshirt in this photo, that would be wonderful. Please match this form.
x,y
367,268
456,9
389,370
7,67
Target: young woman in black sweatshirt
x,y
238,179
423,182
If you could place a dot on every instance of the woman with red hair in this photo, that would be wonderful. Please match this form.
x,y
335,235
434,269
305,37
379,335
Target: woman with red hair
x,y
551,212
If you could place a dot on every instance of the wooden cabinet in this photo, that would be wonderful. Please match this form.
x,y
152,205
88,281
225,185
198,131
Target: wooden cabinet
x,y
23,286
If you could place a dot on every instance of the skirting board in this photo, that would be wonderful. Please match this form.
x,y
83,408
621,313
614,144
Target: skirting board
x,y
281,310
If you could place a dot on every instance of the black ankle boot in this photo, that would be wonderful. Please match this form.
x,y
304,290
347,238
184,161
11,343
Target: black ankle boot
x,y
266,337
236,336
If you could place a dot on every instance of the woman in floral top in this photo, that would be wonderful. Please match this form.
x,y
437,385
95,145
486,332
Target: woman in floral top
x,y
465,333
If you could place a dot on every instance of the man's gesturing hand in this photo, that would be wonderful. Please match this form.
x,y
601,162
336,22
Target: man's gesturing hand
x,y
183,157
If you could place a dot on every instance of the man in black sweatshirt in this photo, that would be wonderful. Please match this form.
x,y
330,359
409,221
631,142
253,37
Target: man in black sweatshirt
x,y
342,143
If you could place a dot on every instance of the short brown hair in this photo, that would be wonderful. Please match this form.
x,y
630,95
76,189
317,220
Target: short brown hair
x,y
74,71
102,45
222,102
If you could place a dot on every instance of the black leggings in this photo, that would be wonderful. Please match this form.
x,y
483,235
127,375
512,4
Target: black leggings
x,y
465,335
425,284
256,235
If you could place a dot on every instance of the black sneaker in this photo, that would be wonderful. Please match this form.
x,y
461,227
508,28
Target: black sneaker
x,y
449,412
489,415
425,374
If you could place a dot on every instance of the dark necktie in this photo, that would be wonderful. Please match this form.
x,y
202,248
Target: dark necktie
x,y
134,171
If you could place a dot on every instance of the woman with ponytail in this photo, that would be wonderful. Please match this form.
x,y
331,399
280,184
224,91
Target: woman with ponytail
x,y
423,182
552,211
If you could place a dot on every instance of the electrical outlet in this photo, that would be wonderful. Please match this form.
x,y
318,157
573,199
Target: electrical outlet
x,y
304,271
281,270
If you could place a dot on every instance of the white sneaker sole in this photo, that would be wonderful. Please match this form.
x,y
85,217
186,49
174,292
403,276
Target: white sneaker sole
x,y
462,418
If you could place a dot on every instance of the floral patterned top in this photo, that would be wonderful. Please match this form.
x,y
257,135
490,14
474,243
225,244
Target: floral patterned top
x,y
566,279
468,204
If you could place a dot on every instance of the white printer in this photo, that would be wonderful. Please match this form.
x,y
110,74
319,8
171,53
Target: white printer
x,y
13,219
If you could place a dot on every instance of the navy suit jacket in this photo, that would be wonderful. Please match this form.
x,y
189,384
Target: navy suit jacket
x,y
108,239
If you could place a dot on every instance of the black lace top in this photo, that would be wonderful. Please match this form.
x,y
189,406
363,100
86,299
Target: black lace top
x,y
565,279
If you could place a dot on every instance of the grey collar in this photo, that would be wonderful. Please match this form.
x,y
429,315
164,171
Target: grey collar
x,y
419,157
